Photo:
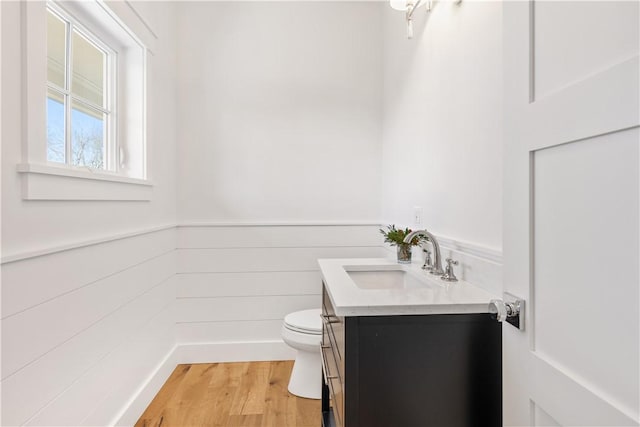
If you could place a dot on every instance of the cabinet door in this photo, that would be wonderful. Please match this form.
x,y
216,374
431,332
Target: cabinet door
x,y
439,370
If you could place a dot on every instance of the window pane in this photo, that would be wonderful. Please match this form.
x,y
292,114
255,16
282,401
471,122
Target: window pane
x,y
87,80
87,136
56,37
55,127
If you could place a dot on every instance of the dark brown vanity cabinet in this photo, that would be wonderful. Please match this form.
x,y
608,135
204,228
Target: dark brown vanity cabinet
x,y
435,370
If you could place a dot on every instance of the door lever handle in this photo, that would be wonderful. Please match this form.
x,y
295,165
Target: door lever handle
x,y
511,310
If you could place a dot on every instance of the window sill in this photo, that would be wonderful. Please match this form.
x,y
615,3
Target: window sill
x,y
47,182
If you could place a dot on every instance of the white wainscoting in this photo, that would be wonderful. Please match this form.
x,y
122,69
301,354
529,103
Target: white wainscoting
x,y
235,283
91,331
84,327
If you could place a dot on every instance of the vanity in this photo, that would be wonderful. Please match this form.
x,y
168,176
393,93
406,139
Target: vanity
x,y
402,349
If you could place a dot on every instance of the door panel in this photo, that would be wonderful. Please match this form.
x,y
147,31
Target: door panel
x,y
541,418
571,401
572,40
585,272
571,212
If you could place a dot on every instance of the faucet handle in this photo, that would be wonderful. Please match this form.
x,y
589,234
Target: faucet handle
x,y
428,264
448,275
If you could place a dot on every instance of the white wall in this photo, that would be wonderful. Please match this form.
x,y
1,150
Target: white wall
x,y
442,140
84,328
278,164
54,223
280,112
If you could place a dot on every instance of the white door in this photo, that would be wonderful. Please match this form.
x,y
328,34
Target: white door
x,y
571,215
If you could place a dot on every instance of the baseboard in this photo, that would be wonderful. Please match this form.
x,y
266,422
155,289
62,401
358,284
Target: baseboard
x,y
198,353
146,392
252,351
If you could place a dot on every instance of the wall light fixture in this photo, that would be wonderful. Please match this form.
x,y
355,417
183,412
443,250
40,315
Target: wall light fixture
x,y
409,7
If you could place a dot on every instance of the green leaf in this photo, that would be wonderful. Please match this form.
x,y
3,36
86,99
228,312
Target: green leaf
x,y
395,236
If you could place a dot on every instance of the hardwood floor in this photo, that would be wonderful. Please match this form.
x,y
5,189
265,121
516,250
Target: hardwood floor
x,y
249,394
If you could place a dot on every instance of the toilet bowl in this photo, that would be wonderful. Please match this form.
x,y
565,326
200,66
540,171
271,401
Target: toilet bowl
x,y
302,330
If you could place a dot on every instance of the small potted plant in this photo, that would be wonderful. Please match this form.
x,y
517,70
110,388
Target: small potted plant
x,y
395,237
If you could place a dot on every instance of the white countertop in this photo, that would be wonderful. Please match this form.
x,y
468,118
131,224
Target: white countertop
x,y
431,295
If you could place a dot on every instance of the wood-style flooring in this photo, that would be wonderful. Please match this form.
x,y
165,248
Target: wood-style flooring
x,y
249,394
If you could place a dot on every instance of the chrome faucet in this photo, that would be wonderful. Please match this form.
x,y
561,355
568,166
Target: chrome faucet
x,y
437,260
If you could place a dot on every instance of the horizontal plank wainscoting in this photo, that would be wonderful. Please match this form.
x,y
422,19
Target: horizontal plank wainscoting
x,y
235,284
85,327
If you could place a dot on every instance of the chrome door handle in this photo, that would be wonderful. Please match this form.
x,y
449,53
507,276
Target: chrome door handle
x,y
511,310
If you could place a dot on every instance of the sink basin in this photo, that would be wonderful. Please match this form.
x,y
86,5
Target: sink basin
x,y
385,279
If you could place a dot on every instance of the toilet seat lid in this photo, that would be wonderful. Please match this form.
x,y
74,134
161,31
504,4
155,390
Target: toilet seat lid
x,y
304,321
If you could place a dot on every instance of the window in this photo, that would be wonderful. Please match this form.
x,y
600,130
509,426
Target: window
x,y
81,125
85,68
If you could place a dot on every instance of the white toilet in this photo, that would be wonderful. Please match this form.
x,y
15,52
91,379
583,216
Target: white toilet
x,y
302,330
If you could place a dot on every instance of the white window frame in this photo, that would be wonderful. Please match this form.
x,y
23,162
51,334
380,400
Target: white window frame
x,y
110,141
129,177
